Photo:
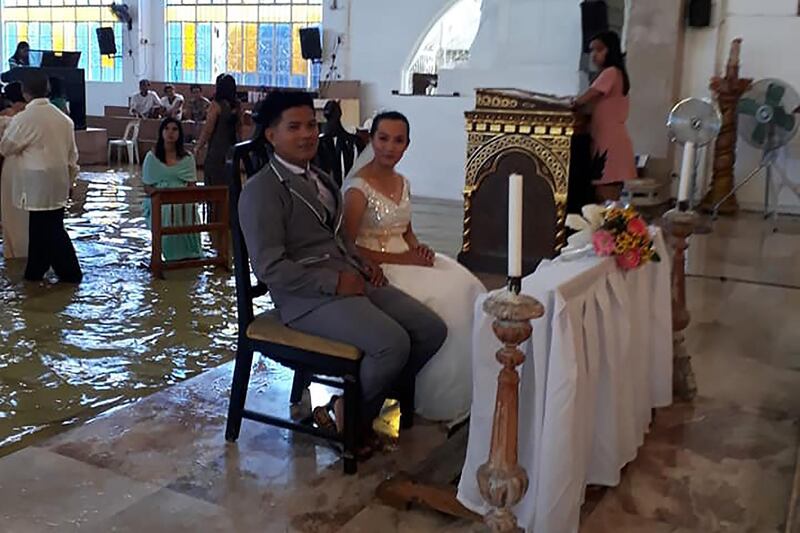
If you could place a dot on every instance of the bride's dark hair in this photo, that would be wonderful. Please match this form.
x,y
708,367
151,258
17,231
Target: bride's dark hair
x,y
390,115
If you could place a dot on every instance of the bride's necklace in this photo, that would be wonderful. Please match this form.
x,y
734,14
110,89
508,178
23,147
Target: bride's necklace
x,y
395,195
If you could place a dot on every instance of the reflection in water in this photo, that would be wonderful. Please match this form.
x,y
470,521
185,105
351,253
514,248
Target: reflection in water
x,y
70,352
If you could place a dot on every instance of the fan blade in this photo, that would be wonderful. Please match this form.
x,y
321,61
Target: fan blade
x,y
748,106
760,134
784,119
775,94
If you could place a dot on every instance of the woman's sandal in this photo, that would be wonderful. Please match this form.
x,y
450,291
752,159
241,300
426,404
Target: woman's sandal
x,y
323,420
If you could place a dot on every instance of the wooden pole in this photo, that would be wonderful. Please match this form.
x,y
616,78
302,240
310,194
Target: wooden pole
x,y
727,91
681,226
502,481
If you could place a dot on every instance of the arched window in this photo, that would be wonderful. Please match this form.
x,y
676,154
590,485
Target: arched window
x,y
447,42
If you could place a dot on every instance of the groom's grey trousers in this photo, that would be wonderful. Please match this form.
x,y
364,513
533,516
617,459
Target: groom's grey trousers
x,y
297,250
396,333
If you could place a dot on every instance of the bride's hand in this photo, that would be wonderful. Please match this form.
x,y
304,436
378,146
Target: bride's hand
x,y
412,257
426,253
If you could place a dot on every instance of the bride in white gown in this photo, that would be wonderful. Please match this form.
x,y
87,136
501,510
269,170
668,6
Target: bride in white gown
x,y
378,218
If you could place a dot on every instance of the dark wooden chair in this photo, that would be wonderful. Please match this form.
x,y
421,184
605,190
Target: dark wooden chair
x,y
338,148
312,358
200,202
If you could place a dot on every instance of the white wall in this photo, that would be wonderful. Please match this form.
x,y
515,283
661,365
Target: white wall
x,y
771,33
380,37
139,60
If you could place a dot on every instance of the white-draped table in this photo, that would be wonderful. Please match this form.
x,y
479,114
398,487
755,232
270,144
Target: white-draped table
x,y
599,360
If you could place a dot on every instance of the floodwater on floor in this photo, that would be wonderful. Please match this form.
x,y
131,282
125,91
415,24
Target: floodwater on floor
x,y
69,352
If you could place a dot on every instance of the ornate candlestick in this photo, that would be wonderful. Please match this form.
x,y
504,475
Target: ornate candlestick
x,y
502,481
681,226
727,91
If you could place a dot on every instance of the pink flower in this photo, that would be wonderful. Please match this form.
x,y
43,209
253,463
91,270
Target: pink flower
x,y
629,260
603,242
637,227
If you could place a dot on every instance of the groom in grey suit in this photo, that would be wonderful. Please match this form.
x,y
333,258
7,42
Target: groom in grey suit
x,y
291,217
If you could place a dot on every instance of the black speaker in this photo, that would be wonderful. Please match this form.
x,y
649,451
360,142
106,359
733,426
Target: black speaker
x,y
106,41
594,20
311,43
699,13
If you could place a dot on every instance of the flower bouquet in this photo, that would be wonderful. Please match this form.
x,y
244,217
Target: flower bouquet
x,y
624,234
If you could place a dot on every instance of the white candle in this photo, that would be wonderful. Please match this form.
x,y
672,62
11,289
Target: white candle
x,y
515,226
687,172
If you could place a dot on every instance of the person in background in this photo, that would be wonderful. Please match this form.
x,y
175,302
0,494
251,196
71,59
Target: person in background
x,y
221,131
169,165
57,96
609,96
172,103
12,93
21,57
42,157
198,104
197,108
14,219
145,103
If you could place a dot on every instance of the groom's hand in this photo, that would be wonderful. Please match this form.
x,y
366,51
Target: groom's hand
x,y
350,284
375,274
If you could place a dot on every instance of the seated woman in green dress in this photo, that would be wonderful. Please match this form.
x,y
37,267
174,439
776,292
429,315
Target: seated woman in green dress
x,y
169,165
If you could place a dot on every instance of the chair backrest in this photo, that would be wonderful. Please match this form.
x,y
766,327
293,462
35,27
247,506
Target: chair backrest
x,y
241,155
132,131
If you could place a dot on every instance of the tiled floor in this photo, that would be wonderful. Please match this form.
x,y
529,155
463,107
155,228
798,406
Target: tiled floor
x,y
727,462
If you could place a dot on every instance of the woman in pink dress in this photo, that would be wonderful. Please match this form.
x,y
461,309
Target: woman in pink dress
x,y
609,95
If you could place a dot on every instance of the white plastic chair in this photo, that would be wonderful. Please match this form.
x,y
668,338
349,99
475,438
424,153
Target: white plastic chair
x,y
129,142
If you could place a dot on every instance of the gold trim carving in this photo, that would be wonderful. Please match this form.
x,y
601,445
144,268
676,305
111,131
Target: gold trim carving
x,y
544,135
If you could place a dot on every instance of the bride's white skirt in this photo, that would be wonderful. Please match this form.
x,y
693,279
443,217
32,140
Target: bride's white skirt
x,y
444,386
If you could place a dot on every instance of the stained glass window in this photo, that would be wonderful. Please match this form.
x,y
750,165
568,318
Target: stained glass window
x,y
258,42
69,27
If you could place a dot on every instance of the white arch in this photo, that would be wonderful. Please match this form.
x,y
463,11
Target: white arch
x,y
405,80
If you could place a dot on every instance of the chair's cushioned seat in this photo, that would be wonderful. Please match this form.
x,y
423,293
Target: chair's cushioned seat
x,y
268,327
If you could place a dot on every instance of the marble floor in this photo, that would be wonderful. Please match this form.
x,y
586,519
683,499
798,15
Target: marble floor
x,y
727,462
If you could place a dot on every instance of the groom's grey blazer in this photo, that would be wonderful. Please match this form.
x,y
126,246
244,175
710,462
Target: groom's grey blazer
x,y
296,247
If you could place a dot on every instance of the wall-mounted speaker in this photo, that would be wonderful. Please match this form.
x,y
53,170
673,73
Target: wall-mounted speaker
x,y
311,43
699,13
594,20
106,41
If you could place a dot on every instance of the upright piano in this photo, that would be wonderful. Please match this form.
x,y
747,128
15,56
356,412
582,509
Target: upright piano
x,y
74,83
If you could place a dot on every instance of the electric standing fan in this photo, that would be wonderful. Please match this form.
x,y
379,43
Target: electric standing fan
x,y
694,123
767,122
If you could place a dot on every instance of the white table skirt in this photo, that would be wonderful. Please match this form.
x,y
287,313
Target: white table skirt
x,y
598,362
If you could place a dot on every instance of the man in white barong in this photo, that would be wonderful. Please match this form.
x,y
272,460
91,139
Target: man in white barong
x,y
39,144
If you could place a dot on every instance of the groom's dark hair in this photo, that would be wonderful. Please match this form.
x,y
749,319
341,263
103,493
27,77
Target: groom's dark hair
x,y
270,110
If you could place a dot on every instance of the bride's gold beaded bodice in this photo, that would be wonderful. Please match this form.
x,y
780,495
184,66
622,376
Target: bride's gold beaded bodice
x,y
385,221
